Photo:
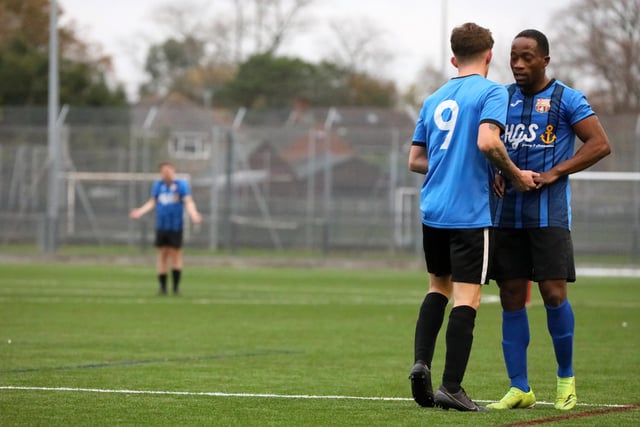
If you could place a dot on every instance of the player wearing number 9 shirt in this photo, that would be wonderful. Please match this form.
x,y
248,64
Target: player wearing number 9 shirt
x,y
456,139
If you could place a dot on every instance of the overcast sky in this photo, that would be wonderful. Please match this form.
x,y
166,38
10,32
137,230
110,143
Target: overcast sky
x,y
412,30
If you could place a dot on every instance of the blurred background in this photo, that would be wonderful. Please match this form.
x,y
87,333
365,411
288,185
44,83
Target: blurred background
x,y
292,119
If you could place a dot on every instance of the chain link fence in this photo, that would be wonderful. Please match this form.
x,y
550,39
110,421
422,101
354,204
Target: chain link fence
x,y
318,180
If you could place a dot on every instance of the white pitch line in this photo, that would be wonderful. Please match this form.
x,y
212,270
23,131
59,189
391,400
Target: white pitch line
x,y
608,272
258,395
200,393
76,299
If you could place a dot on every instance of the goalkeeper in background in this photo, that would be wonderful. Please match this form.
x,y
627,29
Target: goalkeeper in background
x,y
169,197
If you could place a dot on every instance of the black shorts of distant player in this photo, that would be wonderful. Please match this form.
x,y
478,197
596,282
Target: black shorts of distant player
x,y
463,253
169,238
538,254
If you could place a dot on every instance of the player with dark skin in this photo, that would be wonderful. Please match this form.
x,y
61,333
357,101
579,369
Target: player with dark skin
x,y
533,239
528,66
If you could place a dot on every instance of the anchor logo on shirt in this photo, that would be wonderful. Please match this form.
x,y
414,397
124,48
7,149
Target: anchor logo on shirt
x,y
548,137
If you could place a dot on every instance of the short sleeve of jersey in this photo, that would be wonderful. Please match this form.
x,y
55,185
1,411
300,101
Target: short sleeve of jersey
x,y
183,188
494,109
155,190
420,133
577,106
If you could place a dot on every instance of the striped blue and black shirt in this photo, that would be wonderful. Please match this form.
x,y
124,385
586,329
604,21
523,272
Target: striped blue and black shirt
x,y
539,135
170,203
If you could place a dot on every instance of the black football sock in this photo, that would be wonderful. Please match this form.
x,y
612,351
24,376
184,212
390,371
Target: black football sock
x,y
176,275
162,279
428,326
459,340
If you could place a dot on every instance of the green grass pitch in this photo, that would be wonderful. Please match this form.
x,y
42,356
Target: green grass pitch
x,y
95,345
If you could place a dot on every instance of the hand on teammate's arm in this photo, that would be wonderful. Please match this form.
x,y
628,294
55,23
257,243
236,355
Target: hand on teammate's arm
x,y
522,180
547,178
491,145
525,180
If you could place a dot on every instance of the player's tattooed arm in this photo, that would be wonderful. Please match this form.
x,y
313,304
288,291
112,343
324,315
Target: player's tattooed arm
x,y
523,180
500,159
497,154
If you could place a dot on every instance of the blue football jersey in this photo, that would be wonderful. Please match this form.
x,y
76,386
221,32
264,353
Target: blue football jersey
x,y
169,203
456,190
539,135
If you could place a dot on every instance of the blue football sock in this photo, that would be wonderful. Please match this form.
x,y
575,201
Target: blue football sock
x,y
561,323
515,340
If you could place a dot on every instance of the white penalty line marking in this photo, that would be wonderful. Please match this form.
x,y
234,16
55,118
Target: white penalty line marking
x,y
257,395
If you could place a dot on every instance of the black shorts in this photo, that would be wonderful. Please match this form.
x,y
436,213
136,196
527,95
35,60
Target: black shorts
x,y
170,238
463,253
533,253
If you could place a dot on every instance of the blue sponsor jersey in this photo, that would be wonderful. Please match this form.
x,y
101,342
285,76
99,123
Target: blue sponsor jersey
x,y
539,135
169,203
456,190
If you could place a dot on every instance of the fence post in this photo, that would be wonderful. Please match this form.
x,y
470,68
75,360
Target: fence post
x,y
230,237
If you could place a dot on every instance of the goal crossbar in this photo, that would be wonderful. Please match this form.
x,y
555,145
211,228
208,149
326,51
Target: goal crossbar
x,y
74,181
118,176
606,176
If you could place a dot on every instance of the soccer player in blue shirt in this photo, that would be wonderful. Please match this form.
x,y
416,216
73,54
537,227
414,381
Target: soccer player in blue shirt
x,y
532,235
456,139
169,196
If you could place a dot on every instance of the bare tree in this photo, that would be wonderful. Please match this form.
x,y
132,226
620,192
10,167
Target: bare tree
x,y
237,28
274,21
429,79
599,47
181,20
359,46
240,29
205,39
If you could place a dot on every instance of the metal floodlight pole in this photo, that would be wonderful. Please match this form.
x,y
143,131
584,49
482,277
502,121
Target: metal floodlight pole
x,y
230,236
228,220
394,157
311,187
445,46
332,116
636,199
53,139
214,205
